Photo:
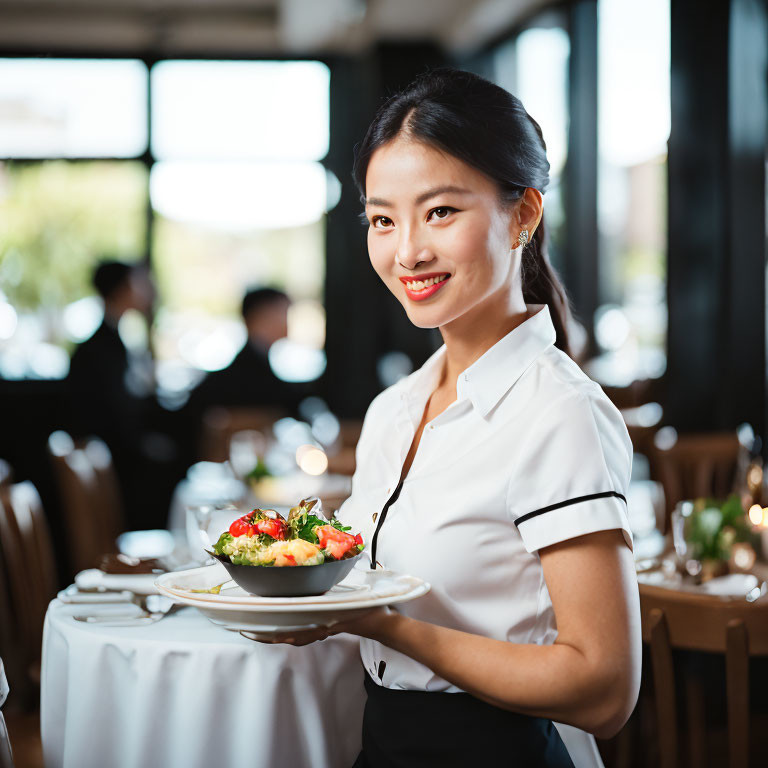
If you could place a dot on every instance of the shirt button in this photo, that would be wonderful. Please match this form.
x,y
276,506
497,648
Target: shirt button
x,y
431,426
466,377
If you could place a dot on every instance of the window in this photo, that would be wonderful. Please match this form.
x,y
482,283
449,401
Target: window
x,y
57,219
72,108
233,194
634,124
240,110
239,197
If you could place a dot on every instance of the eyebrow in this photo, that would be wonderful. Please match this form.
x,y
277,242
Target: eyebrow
x,y
422,198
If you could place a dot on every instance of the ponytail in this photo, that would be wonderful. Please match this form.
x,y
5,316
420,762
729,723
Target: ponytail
x,y
541,285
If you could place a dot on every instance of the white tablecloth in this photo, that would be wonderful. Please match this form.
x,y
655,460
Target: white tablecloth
x,y
183,693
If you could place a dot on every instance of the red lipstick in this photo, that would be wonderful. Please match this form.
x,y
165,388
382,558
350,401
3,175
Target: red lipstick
x,y
422,291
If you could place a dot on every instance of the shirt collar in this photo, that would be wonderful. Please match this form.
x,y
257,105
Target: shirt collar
x,y
491,376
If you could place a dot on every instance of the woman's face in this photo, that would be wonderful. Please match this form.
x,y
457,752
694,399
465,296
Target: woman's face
x,y
439,237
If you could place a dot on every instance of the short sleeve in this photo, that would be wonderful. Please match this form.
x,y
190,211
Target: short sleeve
x,y
574,473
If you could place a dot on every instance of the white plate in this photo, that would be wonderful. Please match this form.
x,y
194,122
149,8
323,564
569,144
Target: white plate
x,y
358,585
358,593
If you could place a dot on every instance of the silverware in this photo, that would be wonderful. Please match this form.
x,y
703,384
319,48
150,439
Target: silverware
x,y
217,589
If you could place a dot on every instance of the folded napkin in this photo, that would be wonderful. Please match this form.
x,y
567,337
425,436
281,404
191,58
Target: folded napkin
x,y
138,583
733,585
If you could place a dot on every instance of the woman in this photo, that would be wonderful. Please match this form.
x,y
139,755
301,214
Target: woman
x,y
498,471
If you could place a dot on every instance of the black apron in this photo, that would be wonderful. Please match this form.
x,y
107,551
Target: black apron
x,y
420,729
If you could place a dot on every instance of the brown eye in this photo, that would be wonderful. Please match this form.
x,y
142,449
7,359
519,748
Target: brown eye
x,y
441,213
381,222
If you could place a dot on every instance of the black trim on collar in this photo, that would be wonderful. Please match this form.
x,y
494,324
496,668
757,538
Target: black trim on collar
x,y
576,500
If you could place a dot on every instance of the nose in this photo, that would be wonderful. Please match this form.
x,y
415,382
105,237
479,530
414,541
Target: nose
x,y
411,252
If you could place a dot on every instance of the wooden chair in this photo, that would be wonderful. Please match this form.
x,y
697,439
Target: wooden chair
x,y
350,432
343,461
643,422
219,424
697,622
29,576
635,394
11,650
6,756
90,498
695,465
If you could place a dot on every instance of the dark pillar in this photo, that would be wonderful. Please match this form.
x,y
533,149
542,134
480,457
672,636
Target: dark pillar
x,y
716,273
580,268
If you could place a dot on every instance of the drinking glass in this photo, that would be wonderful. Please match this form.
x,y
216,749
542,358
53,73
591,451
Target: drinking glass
x,y
204,524
685,557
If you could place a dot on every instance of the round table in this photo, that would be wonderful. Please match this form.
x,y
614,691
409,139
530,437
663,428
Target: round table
x,y
182,693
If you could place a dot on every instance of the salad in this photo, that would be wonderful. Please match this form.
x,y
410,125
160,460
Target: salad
x,y
264,537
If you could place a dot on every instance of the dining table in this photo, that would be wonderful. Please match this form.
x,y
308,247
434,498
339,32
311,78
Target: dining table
x,y
184,693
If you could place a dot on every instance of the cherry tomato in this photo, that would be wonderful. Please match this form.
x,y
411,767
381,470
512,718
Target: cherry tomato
x,y
277,529
337,543
239,527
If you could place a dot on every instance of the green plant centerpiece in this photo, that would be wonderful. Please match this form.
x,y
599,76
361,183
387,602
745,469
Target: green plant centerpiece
x,y
713,529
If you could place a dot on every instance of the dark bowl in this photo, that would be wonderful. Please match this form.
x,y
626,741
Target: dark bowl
x,y
288,581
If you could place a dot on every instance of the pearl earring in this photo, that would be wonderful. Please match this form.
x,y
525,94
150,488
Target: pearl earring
x,y
522,238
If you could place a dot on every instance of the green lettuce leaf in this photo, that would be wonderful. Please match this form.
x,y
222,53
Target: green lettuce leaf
x,y
218,547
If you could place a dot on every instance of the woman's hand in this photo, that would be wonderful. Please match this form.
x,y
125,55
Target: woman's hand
x,y
373,624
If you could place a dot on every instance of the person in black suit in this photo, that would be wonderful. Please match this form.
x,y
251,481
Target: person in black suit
x,y
112,397
249,380
108,401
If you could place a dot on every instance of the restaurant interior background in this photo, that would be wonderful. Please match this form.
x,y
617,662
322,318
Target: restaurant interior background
x,y
212,141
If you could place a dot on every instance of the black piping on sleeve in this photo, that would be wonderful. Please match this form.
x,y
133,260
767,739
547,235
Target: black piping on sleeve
x,y
568,502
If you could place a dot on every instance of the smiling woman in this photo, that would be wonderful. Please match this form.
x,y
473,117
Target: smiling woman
x,y
498,471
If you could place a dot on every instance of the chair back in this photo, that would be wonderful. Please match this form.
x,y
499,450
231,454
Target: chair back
x,y
635,393
11,643
219,424
695,465
29,575
737,629
6,756
90,498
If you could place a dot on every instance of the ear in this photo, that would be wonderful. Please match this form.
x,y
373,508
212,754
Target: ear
x,y
528,212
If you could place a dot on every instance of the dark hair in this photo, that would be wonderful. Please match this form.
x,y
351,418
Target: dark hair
x,y
257,298
488,128
110,276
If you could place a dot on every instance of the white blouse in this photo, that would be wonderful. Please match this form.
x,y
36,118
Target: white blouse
x,y
531,453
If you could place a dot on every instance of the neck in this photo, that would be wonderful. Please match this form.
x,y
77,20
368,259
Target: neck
x,y
469,337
